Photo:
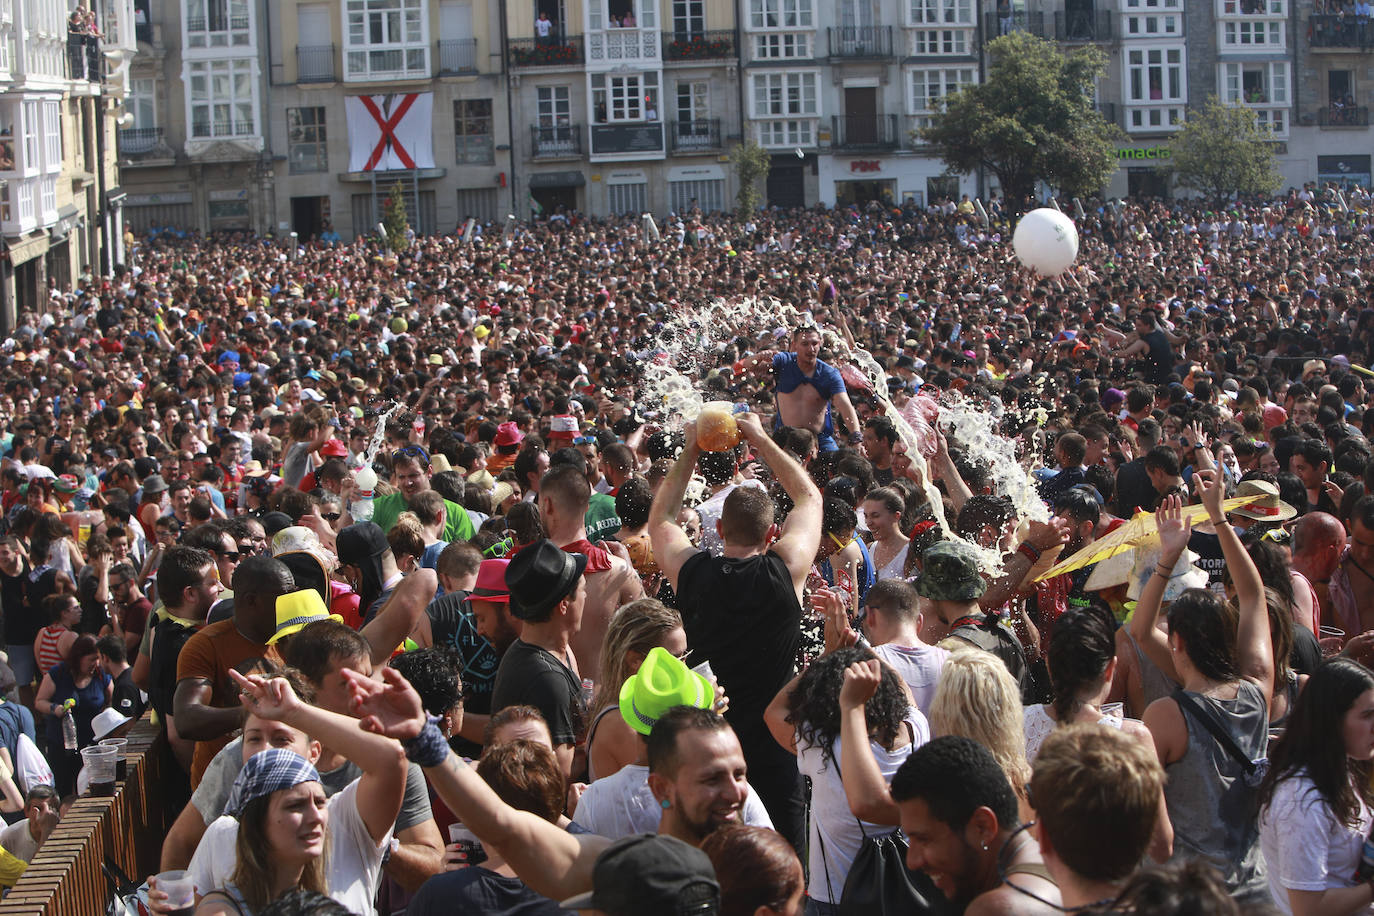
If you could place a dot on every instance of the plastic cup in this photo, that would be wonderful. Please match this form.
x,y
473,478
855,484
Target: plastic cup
x,y
1114,709
1331,639
717,430
121,765
100,764
704,669
180,890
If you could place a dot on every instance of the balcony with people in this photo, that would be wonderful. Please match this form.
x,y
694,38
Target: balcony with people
x,y
83,46
1336,25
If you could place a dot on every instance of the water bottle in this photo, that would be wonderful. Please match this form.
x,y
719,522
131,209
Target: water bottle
x,y
69,726
588,689
361,506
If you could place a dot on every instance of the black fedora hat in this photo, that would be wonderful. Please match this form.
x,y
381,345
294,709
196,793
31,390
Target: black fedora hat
x,y
540,576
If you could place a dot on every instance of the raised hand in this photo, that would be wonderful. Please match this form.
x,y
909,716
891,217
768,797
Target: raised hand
x,y
1174,529
1212,491
266,697
861,681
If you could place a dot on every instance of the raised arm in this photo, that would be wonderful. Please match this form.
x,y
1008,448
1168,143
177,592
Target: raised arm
x,y
1174,531
551,861
381,788
1254,646
398,617
801,533
671,546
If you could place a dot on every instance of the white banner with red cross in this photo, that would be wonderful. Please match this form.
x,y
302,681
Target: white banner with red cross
x,y
388,132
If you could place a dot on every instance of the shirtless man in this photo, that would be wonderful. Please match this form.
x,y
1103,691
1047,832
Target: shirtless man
x,y
807,389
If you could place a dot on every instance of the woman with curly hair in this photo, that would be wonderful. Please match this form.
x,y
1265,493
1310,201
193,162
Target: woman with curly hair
x,y
1315,802
805,719
636,628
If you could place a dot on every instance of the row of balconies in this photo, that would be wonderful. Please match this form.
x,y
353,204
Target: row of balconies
x,y
852,133
321,63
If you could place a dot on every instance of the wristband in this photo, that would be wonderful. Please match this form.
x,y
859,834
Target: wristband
x,y
428,749
856,437
1030,552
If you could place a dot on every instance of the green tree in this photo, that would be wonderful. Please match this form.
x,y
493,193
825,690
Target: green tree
x,y
1222,151
752,163
394,218
1031,120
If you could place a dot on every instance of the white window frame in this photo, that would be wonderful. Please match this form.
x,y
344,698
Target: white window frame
x,y
1267,8
1128,6
52,136
1149,53
47,198
385,42
1277,77
945,79
236,16
142,103
234,69
697,96
1152,25
941,42
781,14
946,13
782,45
553,106
786,106
1239,35
629,97
32,164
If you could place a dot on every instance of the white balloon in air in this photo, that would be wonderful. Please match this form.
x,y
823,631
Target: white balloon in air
x,y
1046,241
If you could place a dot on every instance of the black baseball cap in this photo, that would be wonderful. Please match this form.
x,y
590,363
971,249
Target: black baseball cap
x,y
651,875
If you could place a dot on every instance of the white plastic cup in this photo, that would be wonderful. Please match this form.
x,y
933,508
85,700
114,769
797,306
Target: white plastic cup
x,y
179,888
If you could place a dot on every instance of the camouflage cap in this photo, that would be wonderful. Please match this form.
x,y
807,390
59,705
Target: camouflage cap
x,y
950,573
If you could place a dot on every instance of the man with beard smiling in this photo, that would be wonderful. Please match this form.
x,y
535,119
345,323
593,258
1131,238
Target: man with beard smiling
x,y
959,814
697,774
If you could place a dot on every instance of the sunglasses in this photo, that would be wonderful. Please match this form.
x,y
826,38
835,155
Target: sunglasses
x,y
229,554
499,549
332,516
411,451
585,440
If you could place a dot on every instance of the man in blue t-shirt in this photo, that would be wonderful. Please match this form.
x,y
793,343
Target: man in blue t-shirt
x,y
807,388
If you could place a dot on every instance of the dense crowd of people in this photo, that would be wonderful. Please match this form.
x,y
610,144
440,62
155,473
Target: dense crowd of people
x,y
1063,602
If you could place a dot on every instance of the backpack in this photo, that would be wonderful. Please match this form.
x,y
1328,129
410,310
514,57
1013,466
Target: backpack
x,y
879,883
169,635
990,635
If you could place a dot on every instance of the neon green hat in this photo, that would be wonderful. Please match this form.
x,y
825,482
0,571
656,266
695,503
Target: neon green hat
x,y
661,683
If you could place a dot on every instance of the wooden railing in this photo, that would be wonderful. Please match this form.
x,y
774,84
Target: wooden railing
x,y
65,878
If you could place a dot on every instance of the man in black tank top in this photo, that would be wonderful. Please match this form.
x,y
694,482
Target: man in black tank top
x,y
742,610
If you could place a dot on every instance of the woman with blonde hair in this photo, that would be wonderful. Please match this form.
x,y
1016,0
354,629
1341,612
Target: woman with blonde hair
x,y
637,627
978,698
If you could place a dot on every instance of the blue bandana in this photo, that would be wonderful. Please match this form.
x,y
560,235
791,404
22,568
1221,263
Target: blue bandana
x,y
265,773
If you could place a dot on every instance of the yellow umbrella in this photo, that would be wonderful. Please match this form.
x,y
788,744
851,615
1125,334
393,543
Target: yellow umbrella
x,y
1130,535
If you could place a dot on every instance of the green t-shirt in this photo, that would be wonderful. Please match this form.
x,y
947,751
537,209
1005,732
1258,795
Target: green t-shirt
x,y
386,509
601,520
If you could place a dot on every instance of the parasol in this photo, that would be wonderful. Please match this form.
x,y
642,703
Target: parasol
x,y
1137,531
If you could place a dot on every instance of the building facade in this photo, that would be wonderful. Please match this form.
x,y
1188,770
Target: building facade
x,y
304,116
61,90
